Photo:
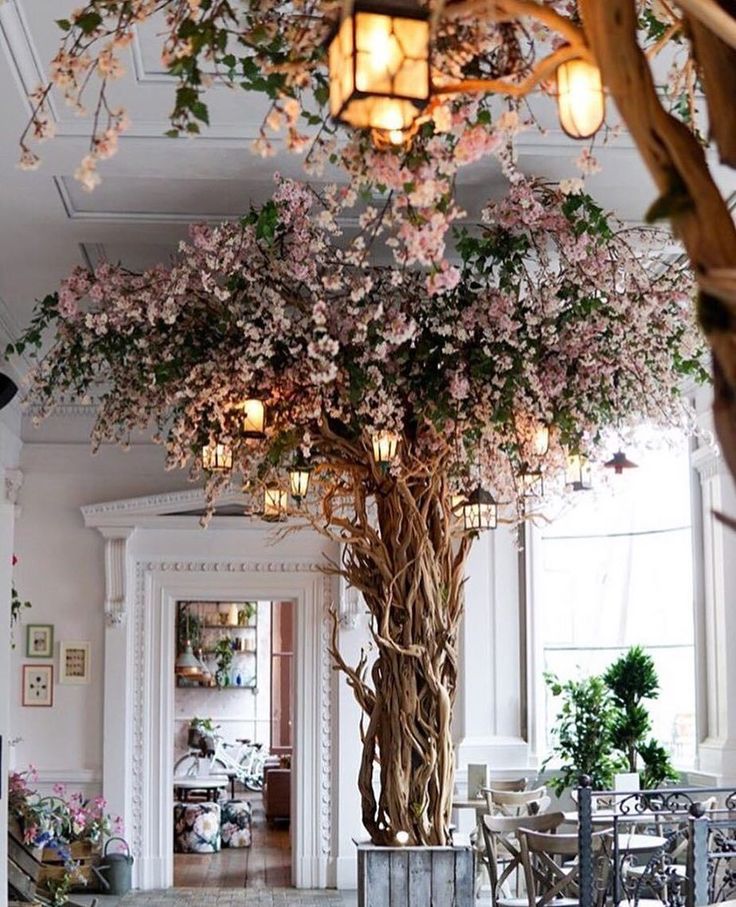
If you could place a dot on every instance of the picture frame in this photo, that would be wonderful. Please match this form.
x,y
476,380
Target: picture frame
x,y
38,686
39,641
74,662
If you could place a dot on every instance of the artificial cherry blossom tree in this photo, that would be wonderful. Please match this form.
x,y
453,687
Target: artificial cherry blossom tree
x,y
557,318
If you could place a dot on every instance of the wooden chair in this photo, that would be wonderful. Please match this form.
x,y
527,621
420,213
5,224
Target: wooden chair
x,y
505,784
516,803
551,869
502,856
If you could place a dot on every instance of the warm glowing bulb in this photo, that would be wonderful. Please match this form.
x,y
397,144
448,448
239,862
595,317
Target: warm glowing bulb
x,y
217,457
385,446
577,474
540,442
254,417
402,838
299,482
581,103
275,502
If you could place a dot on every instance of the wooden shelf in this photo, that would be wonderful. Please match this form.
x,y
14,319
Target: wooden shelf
x,y
211,631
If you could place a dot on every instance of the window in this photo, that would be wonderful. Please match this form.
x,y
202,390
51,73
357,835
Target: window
x,y
616,569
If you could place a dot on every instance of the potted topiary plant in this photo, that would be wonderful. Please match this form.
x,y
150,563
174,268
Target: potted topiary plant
x,y
632,679
582,733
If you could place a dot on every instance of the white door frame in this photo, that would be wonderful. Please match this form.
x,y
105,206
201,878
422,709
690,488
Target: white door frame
x,y
151,561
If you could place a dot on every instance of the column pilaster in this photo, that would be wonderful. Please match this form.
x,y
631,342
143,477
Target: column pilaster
x,y
491,703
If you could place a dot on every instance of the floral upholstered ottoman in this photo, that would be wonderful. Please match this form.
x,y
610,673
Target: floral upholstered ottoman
x,y
197,828
235,828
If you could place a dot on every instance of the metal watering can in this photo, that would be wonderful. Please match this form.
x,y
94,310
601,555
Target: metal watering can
x,y
116,873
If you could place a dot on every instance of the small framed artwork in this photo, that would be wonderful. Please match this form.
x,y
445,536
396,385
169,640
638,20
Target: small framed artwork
x,y
74,662
39,641
38,685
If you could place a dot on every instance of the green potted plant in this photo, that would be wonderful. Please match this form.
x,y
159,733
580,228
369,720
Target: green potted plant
x,y
632,679
582,733
224,655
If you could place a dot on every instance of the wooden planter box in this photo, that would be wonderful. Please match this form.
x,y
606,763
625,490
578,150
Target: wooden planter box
x,y
416,876
84,854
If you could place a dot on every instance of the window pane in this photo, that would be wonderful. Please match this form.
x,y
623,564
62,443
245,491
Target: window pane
x,y
615,570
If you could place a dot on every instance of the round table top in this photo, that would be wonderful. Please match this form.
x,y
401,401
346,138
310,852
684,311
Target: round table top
x,y
203,783
634,843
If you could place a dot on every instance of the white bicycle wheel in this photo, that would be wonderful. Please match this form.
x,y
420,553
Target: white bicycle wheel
x,y
186,767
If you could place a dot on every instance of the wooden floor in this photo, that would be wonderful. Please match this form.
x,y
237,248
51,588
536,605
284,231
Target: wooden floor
x,y
265,864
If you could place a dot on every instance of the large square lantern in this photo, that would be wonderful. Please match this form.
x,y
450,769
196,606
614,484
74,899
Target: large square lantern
x,y
578,472
480,511
379,66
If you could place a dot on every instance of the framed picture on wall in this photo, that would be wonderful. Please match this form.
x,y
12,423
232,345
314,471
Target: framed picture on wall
x,y
74,662
38,685
39,641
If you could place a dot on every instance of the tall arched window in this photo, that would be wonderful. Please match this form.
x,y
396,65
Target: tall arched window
x,y
616,569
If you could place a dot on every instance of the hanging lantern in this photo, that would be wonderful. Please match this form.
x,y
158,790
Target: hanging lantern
x,y
581,103
577,473
480,511
254,419
379,66
532,483
540,440
217,457
186,664
299,476
275,503
385,446
619,461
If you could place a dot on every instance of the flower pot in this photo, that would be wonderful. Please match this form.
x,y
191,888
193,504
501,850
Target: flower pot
x,y
416,876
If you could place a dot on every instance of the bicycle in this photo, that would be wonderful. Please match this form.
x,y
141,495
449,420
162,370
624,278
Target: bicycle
x,y
244,759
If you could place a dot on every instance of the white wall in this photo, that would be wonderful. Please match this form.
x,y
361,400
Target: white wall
x,y
9,453
61,571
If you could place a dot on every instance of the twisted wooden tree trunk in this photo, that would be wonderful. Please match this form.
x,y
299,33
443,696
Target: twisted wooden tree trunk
x,y
409,569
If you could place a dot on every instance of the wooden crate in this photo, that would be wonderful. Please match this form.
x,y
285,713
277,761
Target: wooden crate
x,y
416,876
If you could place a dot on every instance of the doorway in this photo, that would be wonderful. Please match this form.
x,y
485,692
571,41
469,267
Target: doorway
x,y
233,743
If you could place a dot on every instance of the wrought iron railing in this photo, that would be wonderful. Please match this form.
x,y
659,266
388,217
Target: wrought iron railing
x,y
692,861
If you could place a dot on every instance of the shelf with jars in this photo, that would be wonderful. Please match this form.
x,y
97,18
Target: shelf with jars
x,y
217,645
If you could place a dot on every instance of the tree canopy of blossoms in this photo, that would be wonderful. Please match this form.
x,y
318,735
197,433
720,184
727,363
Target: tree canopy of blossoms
x,y
556,317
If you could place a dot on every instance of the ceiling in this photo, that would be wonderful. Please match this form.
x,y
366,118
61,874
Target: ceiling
x,y
156,185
